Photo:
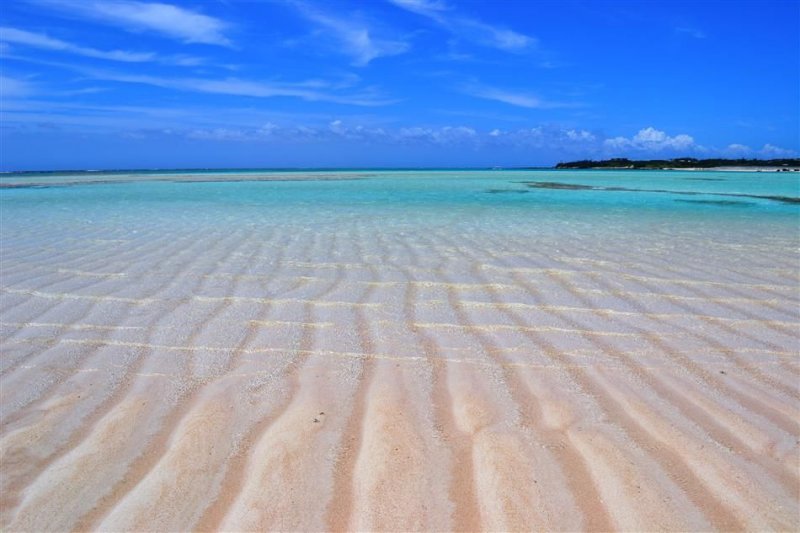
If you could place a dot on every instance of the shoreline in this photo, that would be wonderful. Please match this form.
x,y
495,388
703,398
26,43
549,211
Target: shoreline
x,y
736,169
54,179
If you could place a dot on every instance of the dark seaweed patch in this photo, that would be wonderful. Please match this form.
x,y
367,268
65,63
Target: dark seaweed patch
x,y
267,179
560,186
503,191
784,199
570,186
724,203
55,184
39,185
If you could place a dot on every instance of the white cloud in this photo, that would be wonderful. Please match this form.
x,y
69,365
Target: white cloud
x,y
14,88
238,87
515,98
429,8
445,135
172,21
552,137
651,139
507,97
220,134
691,32
776,151
467,28
338,130
39,40
182,60
488,35
738,149
354,38
580,135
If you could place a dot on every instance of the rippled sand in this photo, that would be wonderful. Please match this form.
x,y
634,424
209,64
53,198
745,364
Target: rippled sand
x,y
364,378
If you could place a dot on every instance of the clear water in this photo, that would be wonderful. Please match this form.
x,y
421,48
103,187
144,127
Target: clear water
x,y
452,306
460,189
704,204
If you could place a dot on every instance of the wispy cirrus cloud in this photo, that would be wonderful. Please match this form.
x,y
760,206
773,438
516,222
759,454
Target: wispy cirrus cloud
x,y
467,28
689,31
45,42
14,88
180,23
310,90
512,97
353,37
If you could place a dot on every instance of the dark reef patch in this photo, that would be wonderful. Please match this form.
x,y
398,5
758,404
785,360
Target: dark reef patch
x,y
504,191
56,185
188,180
723,203
559,186
579,187
784,199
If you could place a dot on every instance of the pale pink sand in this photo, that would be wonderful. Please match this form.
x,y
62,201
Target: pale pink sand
x,y
384,381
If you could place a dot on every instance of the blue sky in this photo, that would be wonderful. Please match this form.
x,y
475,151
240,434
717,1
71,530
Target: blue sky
x,y
226,83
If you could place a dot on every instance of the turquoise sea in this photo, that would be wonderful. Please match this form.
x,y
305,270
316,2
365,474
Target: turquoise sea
x,y
502,200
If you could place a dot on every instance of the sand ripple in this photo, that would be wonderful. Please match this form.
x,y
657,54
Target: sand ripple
x,y
253,380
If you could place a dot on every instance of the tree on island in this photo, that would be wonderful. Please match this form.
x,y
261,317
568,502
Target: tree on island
x,y
683,162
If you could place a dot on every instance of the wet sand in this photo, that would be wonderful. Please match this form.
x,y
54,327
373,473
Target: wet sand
x,y
364,378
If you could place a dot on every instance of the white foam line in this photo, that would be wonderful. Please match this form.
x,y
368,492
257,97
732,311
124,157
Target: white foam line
x,y
354,355
272,301
67,326
600,311
566,272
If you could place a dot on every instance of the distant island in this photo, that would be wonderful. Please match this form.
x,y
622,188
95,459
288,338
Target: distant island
x,y
685,163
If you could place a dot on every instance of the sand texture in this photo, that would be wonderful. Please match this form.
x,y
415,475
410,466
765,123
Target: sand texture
x,y
358,377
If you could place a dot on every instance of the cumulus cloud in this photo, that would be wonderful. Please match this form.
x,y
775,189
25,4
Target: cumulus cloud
x,y
738,149
652,140
580,135
353,37
268,131
578,142
338,130
771,150
221,134
443,135
554,138
549,136
172,21
42,41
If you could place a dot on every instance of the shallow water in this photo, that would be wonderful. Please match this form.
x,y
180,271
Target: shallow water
x,y
399,350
